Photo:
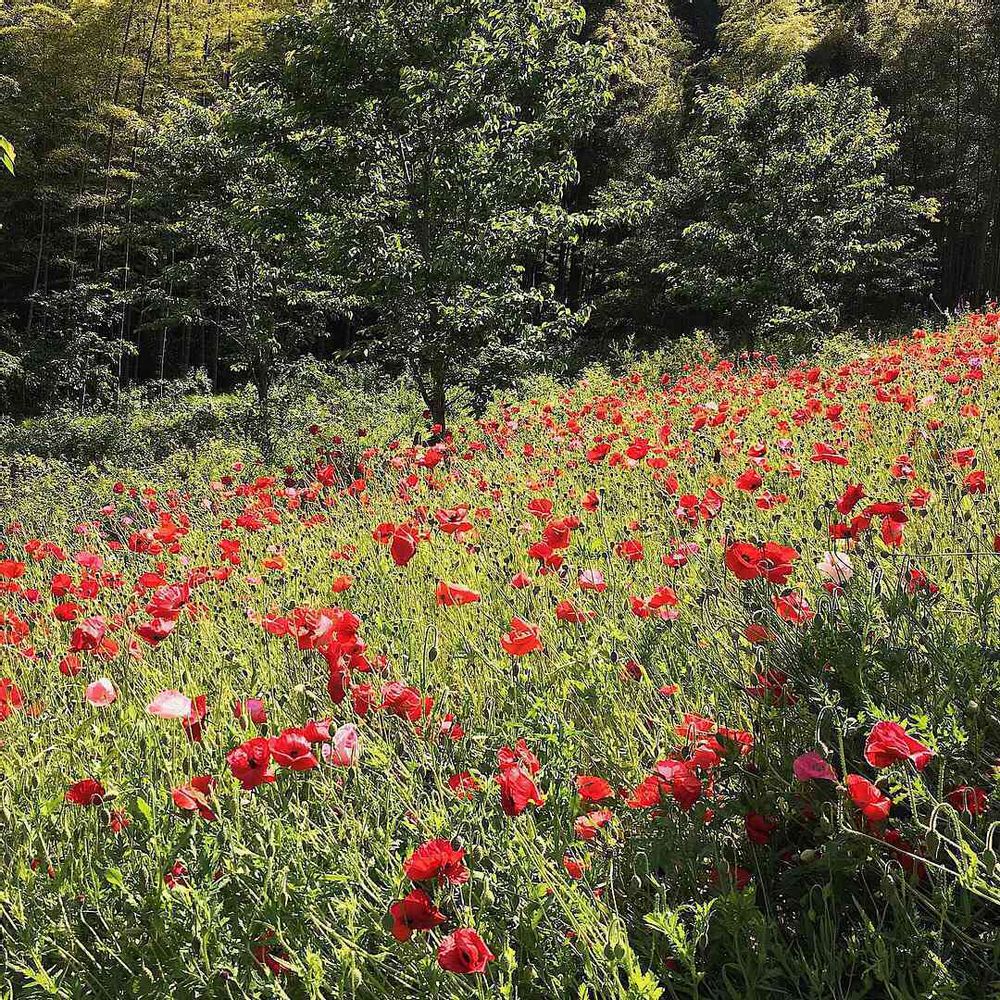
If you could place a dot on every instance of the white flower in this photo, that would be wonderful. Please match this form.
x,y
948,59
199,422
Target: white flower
x,y
835,567
170,705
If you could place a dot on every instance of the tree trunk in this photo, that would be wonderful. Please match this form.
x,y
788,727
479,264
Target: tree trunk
x,y
432,385
439,400
38,270
261,372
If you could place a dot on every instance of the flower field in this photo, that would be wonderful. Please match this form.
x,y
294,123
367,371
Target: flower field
x,y
669,684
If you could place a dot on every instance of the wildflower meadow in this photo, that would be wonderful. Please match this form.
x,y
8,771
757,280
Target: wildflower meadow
x,y
678,681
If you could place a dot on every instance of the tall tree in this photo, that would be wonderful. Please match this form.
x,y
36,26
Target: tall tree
x,y
781,220
759,37
221,230
83,79
434,147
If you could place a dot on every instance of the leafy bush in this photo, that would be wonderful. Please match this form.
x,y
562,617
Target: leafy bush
x,y
150,424
780,223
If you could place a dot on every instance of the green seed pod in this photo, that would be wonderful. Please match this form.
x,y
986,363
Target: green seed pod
x,y
889,887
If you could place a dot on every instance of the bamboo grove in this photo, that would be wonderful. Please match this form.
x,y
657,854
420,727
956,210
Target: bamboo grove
x,y
695,118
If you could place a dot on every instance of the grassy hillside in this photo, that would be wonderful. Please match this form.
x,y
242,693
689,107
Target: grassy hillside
x,y
689,678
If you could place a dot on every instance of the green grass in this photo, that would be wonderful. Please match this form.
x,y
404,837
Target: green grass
x,y
671,902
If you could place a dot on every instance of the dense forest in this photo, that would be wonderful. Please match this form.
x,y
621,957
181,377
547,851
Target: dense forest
x,y
460,189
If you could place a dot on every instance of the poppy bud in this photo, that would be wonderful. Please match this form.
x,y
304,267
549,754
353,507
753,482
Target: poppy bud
x,y
932,842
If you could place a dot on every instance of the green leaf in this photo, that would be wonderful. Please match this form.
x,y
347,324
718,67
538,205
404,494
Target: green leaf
x,y
145,809
7,154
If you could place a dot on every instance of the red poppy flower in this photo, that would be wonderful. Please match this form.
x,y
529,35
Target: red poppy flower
x,y
873,804
195,721
119,821
464,951
588,826
517,791
405,702
454,520
156,630
905,854
292,750
403,546
758,634
177,876
631,549
892,533
252,709
361,698
632,671
88,635
275,961
771,561
558,534
316,731
680,780
414,912
566,611
662,605
401,539
593,789
10,697
776,562
649,792
11,569
540,507
436,859
463,784
759,828
70,665
735,877
975,482
823,452
772,686
168,601
250,762
87,792
749,481
966,798
195,795
793,607
520,756
889,744
523,638
451,594
812,766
